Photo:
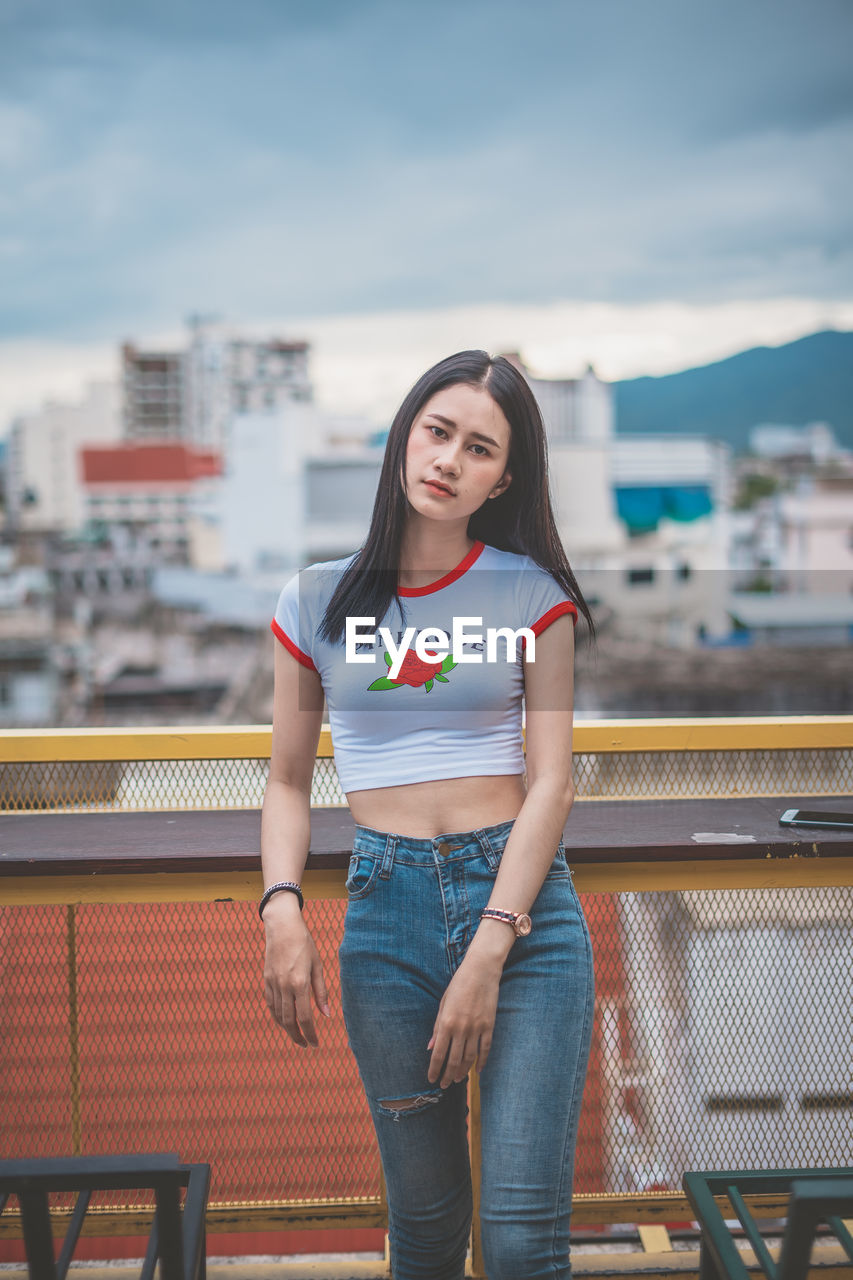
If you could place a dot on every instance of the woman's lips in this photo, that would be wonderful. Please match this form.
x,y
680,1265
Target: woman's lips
x,y
437,488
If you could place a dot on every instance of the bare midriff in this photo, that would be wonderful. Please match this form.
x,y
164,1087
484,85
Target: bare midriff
x,y
424,810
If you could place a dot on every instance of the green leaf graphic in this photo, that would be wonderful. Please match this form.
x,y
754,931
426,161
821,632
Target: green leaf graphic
x,y
448,664
428,686
386,655
443,679
383,683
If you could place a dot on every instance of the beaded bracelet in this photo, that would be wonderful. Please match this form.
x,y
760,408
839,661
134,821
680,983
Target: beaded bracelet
x,y
289,885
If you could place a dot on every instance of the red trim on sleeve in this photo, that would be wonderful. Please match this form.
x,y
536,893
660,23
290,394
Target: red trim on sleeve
x,y
565,606
291,648
449,577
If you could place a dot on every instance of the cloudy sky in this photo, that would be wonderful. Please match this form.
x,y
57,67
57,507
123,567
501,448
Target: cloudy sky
x,y
648,184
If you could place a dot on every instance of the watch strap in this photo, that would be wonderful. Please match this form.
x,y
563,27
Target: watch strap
x,y
508,917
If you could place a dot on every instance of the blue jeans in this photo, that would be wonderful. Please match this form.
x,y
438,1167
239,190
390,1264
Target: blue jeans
x,y
413,908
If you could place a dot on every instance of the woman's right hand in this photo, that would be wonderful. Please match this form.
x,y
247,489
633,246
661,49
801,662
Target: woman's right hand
x,y
293,970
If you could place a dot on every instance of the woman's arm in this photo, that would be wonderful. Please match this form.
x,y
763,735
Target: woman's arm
x,y
292,969
463,1029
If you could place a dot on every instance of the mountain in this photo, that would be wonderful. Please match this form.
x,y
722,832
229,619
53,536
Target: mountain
x,y
810,380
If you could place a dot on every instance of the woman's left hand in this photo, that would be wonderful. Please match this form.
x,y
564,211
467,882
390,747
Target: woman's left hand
x,y
462,1034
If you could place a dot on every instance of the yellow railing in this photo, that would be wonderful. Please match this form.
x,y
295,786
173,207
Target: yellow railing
x,y
721,733
221,768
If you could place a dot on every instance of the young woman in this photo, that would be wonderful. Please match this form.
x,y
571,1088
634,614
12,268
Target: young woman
x,y
465,942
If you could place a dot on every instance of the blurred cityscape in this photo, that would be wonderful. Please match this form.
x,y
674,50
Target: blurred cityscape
x,y
147,530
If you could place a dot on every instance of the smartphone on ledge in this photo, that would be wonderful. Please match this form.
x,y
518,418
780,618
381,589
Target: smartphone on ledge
x,y
817,818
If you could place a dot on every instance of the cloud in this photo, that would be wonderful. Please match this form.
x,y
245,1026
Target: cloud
x,y
310,160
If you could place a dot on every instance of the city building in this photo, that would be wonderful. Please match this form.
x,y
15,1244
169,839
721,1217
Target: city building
x,y
44,489
163,489
29,672
339,496
105,570
4,457
815,442
798,537
643,518
579,420
669,580
290,497
816,537
154,386
799,541
192,394
228,374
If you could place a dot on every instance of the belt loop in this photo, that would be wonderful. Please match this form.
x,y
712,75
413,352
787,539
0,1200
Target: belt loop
x,y
493,858
388,858
485,843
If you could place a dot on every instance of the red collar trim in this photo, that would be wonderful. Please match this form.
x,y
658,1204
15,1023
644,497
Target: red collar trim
x,y
461,568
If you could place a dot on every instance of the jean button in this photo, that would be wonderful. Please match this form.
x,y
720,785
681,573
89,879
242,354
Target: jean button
x,y
443,850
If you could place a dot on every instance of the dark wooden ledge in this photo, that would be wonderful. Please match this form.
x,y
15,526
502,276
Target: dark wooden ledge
x,y
599,831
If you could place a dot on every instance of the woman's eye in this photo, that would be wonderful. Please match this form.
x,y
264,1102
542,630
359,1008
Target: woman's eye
x,y
482,450
440,430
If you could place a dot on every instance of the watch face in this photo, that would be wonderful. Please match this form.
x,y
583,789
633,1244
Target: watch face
x,y
523,925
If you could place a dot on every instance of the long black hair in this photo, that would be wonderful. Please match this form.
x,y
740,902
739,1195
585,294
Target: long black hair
x,y
520,519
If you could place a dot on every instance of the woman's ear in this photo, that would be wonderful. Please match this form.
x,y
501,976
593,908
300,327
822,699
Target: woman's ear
x,y
503,484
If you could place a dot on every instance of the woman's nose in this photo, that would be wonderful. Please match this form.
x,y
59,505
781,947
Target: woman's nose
x,y
448,459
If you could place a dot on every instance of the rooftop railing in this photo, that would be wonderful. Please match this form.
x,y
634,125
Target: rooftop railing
x,y
133,1015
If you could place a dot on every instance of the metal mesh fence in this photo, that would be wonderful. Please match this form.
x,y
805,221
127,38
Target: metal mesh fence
x,y
151,784
722,1039
730,1044
627,775
239,783
129,1027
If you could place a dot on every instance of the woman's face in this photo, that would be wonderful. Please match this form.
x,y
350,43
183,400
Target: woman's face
x,y
457,454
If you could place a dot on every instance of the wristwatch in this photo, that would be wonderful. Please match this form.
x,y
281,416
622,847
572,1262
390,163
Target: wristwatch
x,y
520,920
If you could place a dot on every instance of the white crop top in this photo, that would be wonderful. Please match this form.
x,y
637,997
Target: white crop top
x,y
435,719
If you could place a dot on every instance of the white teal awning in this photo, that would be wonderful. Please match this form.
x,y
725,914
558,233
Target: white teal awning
x,y
642,507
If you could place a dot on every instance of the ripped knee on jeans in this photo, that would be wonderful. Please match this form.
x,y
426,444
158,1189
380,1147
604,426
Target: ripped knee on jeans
x,y
396,1108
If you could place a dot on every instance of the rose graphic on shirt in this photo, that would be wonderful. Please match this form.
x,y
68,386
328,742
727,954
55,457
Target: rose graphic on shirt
x,y
415,673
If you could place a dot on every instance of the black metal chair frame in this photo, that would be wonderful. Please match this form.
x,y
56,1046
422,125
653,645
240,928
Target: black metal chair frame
x,y
816,1195
177,1236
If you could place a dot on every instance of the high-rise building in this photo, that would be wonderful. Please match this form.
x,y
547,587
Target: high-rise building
x,y
155,396
192,395
229,375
